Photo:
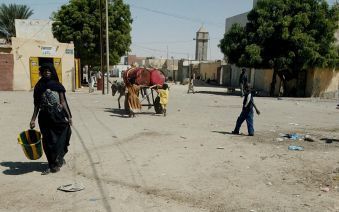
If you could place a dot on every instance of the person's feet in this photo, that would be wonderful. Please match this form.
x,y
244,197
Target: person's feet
x,y
235,133
51,170
61,163
55,169
46,172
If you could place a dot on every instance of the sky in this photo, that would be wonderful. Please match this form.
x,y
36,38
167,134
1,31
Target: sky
x,y
166,28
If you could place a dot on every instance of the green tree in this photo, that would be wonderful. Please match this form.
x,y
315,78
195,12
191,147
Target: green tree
x,y
79,22
8,14
233,43
289,36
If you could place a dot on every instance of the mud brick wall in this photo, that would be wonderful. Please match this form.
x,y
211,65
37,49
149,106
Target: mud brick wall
x,y
6,72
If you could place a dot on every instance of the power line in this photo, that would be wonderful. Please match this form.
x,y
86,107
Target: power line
x,y
195,20
164,42
172,42
159,50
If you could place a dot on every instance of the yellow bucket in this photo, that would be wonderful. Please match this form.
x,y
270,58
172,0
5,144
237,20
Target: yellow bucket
x,y
30,141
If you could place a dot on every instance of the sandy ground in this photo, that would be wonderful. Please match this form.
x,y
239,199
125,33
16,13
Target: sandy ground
x,y
187,161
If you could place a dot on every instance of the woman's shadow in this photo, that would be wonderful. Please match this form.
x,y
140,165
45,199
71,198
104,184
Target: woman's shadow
x,y
18,168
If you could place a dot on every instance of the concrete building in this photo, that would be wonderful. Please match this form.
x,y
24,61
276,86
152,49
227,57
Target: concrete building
x,y
34,45
239,19
201,44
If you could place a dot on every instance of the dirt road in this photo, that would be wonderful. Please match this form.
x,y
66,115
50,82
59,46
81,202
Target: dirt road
x,y
186,161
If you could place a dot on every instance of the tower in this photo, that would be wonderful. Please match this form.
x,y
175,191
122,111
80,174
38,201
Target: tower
x,y
201,44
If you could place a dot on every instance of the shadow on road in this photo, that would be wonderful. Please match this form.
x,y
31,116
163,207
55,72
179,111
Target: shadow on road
x,y
228,133
221,93
18,168
329,140
122,114
116,112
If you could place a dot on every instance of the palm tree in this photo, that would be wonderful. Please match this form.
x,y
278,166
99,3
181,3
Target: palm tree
x,y
8,14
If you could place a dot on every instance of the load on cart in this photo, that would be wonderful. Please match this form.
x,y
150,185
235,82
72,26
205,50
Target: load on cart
x,y
139,80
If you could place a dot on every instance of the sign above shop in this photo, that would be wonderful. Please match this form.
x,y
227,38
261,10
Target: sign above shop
x,y
48,50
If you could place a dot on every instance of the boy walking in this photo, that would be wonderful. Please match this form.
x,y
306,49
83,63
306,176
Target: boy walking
x,y
247,112
190,85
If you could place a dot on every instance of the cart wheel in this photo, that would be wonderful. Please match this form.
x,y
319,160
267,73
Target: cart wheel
x,y
157,106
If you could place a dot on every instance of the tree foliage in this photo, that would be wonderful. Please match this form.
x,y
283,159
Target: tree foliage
x,y
285,35
79,21
8,14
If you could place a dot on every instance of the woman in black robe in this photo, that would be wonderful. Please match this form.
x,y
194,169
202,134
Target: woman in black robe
x,y
54,117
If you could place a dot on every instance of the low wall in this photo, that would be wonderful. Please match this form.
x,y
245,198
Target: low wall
x,y
322,83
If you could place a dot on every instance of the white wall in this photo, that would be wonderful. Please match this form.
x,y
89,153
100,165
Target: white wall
x,y
34,29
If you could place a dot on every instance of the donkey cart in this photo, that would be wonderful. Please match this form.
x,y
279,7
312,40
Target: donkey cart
x,y
141,79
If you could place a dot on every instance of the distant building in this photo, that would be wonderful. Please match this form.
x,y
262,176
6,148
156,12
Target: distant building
x,y
171,69
118,70
201,46
133,59
156,63
211,71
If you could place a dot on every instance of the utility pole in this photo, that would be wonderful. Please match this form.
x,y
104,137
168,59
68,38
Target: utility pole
x,y
101,49
167,52
107,47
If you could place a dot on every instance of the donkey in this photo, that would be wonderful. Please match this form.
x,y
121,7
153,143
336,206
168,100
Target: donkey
x,y
120,88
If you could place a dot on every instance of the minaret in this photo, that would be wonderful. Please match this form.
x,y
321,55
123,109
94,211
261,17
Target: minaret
x,y
201,44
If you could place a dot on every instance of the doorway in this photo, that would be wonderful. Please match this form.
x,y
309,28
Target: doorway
x,y
45,60
36,62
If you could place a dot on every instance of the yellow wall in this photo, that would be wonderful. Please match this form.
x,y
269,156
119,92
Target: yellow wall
x,y
263,79
209,70
322,83
23,49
